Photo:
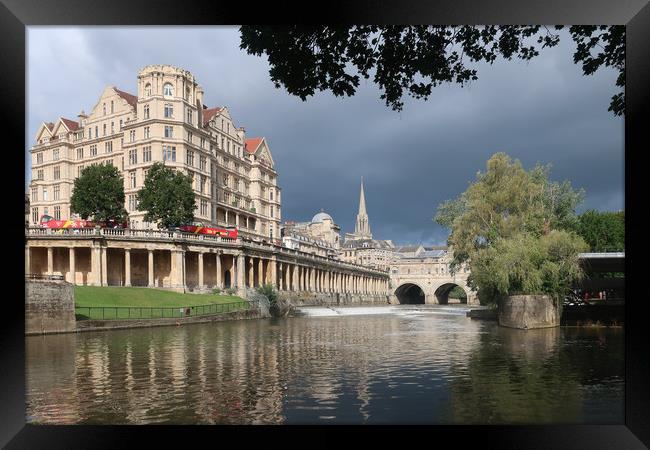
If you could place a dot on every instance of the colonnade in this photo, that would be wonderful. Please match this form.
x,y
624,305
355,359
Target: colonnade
x,y
196,269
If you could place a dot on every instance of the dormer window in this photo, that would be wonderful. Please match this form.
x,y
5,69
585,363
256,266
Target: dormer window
x,y
168,90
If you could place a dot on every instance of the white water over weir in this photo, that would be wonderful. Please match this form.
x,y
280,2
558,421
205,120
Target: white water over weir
x,y
331,311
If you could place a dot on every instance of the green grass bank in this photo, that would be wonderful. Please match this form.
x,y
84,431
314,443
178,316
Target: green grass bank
x,y
93,302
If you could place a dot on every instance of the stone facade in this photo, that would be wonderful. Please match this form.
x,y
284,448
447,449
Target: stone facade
x,y
529,312
235,182
49,307
421,274
320,236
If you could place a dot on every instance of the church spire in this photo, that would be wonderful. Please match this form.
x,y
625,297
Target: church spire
x,y
362,226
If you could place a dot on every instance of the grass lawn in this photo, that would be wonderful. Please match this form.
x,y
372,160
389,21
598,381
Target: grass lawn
x,y
93,302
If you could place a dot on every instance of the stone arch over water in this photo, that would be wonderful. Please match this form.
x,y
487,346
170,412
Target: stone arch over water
x,y
410,294
443,291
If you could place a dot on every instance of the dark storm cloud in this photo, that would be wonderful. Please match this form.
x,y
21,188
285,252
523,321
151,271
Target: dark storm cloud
x,y
542,111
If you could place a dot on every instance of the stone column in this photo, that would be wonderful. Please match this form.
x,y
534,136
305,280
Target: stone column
x,y
281,277
94,266
219,285
200,270
260,276
295,278
240,271
150,280
27,265
72,268
273,270
104,251
237,220
50,260
251,271
127,267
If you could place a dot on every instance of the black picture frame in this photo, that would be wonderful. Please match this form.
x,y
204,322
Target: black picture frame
x,y
16,15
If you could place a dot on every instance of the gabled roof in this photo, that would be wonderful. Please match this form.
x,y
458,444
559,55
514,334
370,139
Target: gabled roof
x,y
208,114
72,125
130,98
252,144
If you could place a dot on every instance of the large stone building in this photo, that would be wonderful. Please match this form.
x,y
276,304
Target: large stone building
x,y
234,179
320,236
360,248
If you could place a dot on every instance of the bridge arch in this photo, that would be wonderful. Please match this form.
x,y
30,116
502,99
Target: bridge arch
x,y
442,293
410,294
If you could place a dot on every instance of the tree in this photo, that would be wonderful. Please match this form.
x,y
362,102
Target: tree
x,y
167,197
515,228
415,58
603,231
98,192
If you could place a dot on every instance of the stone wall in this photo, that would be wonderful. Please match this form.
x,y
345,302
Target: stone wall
x,y
321,298
49,307
529,311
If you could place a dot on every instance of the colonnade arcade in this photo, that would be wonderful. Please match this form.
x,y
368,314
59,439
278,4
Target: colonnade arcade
x,y
194,267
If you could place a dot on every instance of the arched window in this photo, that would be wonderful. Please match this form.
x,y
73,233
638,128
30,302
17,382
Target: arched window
x,y
147,90
168,90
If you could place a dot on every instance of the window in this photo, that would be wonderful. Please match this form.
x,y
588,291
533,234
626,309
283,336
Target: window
x,y
104,127
93,150
189,116
112,127
169,110
55,154
147,90
146,154
80,153
169,131
203,163
109,162
44,194
39,174
34,194
225,179
104,108
202,142
202,184
57,212
112,108
133,156
35,215
272,211
133,202
223,143
57,172
189,158
169,153
146,132
120,124
204,208
132,135
108,147
57,192
237,184
271,194
39,158
168,90
90,133
132,179
189,136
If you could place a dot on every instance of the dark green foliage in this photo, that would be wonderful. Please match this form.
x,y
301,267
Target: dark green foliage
x,y
268,290
603,231
167,197
414,58
98,192
515,229
457,292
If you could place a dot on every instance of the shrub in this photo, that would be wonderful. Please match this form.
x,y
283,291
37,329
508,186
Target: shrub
x,y
231,291
268,290
216,291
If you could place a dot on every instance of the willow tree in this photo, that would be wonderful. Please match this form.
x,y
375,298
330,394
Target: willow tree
x,y
515,229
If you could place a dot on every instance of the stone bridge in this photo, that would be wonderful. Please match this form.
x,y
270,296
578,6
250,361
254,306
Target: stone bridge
x,y
197,263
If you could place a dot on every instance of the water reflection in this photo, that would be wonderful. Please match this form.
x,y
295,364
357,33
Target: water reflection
x,y
413,368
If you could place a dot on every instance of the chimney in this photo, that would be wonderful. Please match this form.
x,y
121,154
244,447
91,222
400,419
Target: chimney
x,y
82,118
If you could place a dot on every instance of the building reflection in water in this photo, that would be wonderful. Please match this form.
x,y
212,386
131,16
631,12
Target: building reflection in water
x,y
372,369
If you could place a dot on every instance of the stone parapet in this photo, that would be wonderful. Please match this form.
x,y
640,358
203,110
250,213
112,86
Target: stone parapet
x,y
49,307
529,311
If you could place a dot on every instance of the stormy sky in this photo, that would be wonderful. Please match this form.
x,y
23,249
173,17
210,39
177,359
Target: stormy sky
x,y
543,110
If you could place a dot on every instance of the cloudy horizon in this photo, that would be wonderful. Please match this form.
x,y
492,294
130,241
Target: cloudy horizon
x,y
542,111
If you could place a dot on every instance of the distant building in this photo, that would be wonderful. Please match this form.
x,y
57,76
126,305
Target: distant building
x,y
26,210
321,236
360,248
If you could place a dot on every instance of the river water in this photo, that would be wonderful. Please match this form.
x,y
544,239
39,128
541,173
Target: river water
x,y
398,365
